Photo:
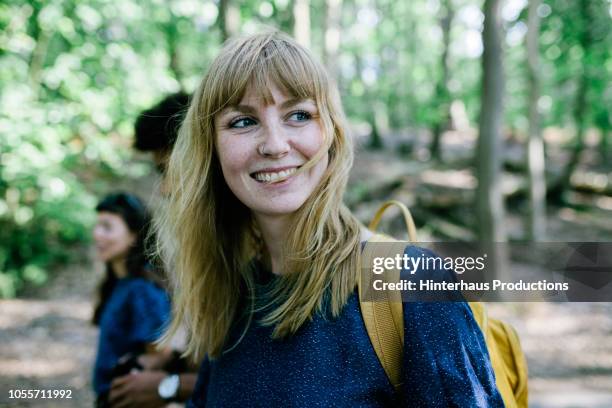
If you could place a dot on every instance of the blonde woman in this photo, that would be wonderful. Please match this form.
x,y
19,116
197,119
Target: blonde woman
x,y
266,253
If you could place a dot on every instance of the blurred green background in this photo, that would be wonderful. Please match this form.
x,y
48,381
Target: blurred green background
x,y
74,75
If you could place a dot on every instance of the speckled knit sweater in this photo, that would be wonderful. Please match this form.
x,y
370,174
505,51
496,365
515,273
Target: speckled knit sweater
x,y
331,363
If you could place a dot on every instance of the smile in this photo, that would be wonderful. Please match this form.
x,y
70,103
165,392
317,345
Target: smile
x,y
274,176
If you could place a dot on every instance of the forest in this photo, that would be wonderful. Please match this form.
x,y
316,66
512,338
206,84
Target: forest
x,y
420,80
489,119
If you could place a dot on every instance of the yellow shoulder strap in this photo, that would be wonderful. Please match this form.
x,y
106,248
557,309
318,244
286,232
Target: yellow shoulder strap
x,y
383,317
384,321
412,233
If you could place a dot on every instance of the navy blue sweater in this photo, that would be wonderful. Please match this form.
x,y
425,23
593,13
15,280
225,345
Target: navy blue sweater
x,y
331,363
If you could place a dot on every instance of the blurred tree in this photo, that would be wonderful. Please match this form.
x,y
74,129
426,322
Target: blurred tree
x,y
170,30
587,31
375,109
301,21
489,195
333,32
535,143
283,14
228,19
442,96
605,146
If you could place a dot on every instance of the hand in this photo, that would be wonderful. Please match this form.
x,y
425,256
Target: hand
x,y
137,389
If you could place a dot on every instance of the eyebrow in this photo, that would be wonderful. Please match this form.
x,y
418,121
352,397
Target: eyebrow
x,y
250,110
294,101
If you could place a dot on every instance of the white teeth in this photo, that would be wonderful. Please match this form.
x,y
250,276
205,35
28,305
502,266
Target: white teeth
x,y
275,176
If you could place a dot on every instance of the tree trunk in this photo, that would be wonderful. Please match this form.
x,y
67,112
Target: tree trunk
x,y
556,192
372,111
42,39
333,19
564,182
606,148
376,142
301,18
228,19
285,17
535,144
411,37
173,52
442,93
490,203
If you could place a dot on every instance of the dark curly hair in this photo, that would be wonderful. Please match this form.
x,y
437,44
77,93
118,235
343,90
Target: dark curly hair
x,y
156,128
136,216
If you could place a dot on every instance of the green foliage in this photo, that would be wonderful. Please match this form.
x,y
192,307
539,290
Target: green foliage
x,y
43,206
575,42
74,74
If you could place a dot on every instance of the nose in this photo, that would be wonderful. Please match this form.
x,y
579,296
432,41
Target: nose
x,y
275,142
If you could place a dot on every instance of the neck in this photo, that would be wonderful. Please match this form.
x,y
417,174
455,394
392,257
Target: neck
x,y
119,268
274,230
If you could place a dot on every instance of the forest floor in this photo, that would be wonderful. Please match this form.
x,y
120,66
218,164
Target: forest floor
x,y
48,343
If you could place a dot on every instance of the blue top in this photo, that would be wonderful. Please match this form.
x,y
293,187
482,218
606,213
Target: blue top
x,y
133,316
331,363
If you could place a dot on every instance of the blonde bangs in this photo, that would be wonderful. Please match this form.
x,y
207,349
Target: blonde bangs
x,y
269,61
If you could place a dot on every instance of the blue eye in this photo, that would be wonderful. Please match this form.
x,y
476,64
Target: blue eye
x,y
300,116
241,123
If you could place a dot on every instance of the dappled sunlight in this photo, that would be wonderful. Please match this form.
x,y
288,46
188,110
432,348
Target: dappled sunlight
x,y
39,368
569,351
462,179
605,203
22,312
572,392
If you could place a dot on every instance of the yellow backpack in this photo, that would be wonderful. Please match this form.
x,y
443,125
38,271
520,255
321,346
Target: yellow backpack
x,y
385,326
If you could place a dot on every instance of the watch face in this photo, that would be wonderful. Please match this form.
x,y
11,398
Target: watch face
x,y
168,387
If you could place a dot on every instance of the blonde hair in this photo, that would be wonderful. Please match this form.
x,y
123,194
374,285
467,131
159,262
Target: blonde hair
x,y
207,236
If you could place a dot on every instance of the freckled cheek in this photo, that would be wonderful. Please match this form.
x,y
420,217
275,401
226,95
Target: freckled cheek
x,y
234,158
312,140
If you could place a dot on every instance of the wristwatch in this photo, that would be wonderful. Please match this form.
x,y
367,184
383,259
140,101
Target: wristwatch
x,y
168,388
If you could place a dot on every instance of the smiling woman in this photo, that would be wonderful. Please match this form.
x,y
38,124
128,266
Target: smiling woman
x,y
262,146
265,254
132,307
